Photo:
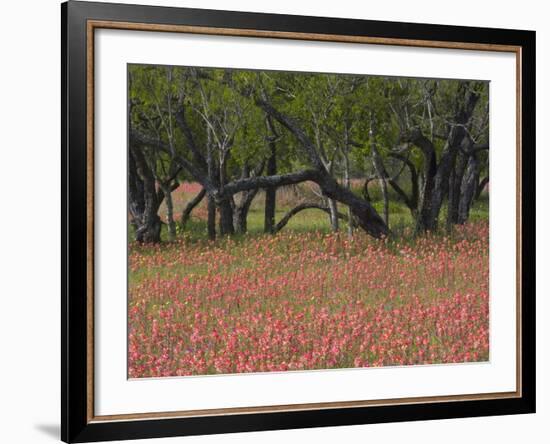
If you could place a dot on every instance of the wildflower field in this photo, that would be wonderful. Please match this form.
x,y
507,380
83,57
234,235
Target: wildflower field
x,y
307,299
284,220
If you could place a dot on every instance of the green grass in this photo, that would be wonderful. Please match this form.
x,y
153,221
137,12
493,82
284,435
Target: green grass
x,y
401,220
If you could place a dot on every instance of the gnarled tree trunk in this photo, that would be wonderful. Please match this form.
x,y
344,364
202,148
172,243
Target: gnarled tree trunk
x,y
436,174
425,221
211,222
458,137
468,189
226,216
145,220
455,184
240,212
136,202
366,216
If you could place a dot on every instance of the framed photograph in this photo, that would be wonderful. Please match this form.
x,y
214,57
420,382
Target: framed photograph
x,y
276,221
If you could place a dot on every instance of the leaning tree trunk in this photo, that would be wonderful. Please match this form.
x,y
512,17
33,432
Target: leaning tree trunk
x,y
363,212
191,205
468,189
366,216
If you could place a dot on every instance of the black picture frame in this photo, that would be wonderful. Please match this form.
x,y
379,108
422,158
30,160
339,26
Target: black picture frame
x,y
76,424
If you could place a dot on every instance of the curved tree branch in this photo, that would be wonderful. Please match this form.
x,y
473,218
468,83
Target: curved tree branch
x,y
304,206
277,180
289,124
366,215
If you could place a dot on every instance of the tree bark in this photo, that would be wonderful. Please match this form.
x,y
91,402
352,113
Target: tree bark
x,y
386,208
425,221
425,180
211,171
270,192
226,217
455,183
458,136
147,223
468,189
167,194
242,205
347,183
240,213
333,215
135,193
366,216
452,201
436,174
211,222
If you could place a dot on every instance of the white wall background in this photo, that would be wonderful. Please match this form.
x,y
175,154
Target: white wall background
x,y
30,219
